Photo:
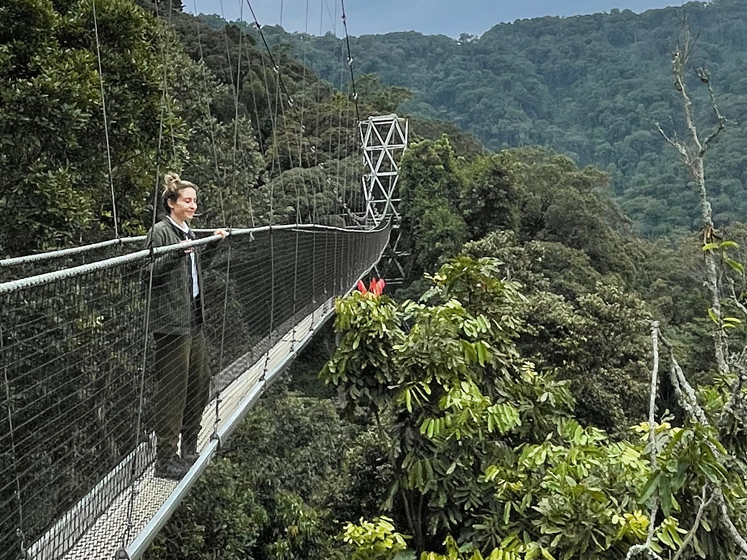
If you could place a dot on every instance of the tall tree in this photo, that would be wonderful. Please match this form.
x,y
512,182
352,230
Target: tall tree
x,y
54,179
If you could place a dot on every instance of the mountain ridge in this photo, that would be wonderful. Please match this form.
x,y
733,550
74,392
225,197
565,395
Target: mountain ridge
x,y
589,86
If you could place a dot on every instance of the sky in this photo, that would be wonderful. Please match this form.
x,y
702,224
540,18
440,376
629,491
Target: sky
x,y
447,17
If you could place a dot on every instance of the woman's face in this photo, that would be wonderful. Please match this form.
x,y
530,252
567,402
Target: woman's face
x,y
185,206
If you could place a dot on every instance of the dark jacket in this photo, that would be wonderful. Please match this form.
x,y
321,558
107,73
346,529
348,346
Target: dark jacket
x,y
171,310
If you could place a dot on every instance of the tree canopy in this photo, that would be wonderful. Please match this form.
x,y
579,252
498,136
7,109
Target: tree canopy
x,y
589,87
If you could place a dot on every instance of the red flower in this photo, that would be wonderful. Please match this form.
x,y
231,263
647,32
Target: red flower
x,y
375,288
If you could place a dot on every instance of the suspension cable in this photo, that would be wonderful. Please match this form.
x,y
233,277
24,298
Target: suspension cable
x,y
220,180
14,456
350,61
354,93
340,196
106,122
230,223
275,66
148,301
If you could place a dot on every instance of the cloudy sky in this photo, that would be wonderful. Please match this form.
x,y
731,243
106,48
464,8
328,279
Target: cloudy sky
x,y
448,17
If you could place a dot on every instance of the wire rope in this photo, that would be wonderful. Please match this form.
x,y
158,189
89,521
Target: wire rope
x,y
106,122
311,154
350,61
14,456
354,97
148,301
204,69
230,222
254,102
340,196
273,155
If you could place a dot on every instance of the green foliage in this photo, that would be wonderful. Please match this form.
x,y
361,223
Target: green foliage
x,y
53,176
447,201
489,199
577,491
375,540
292,444
382,98
583,326
587,86
429,188
222,513
274,493
483,446
597,341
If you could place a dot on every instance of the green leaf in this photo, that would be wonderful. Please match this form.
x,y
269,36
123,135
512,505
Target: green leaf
x,y
737,266
710,246
665,495
650,487
482,353
546,554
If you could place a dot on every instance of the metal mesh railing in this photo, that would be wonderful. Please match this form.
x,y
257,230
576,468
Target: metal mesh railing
x,y
81,399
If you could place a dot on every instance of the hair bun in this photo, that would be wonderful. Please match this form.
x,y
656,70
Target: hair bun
x,y
171,179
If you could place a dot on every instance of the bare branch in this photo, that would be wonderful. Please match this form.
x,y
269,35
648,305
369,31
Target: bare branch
x,y
680,59
735,299
642,549
705,77
674,143
688,400
652,423
727,522
691,534
738,365
736,392
682,388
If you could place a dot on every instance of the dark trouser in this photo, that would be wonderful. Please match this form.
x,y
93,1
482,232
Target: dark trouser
x,y
183,389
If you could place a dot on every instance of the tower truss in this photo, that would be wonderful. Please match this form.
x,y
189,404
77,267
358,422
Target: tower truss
x,y
384,141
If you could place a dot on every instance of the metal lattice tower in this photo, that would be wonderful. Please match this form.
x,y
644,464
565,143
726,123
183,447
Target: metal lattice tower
x,y
384,141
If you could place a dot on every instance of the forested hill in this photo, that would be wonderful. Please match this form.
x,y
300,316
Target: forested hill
x,y
589,86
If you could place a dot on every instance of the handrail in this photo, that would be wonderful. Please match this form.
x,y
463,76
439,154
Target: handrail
x,y
67,252
72,272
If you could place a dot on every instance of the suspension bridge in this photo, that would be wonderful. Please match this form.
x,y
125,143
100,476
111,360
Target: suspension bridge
x,y
79,407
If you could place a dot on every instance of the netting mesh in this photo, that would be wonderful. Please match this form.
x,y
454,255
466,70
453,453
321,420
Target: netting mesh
x,y
24,267
79,372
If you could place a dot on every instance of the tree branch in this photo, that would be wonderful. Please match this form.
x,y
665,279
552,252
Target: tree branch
x,y
635,550
652,424
735,299
692,152
674,143
682,388
688,400
705,77
680,58
691,534
727,522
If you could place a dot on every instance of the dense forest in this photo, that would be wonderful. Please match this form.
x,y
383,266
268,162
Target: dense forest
x,y
500,405
172,103
590,87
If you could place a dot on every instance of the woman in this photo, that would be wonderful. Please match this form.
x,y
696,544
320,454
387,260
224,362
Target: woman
x,y
177,318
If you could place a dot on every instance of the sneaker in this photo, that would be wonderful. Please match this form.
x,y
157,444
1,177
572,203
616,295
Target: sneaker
x,y
172,468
